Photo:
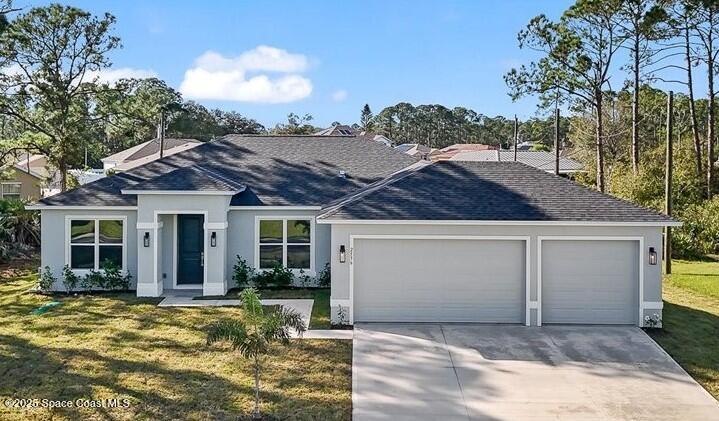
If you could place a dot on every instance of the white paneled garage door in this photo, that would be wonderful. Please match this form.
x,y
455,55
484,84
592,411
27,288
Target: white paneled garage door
x,y
590,281
438,280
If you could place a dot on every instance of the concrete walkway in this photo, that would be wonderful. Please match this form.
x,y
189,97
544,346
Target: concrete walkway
x,y
491,372
302,306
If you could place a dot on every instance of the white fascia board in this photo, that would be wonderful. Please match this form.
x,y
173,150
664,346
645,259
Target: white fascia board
x,y
321,220
183,192
289,208
61,207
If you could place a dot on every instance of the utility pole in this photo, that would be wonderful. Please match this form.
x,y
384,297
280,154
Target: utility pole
x,y
161,132
556,141
516,135
668,184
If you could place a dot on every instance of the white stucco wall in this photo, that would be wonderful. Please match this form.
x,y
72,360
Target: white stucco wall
x,y
54,240
237,239
340,235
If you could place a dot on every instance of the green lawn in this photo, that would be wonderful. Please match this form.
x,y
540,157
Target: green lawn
x,y
320,309
320,318
691,320
120,346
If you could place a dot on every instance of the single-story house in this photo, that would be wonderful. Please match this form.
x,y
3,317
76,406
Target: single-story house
x,y
146,152
542,160
452,150
496,242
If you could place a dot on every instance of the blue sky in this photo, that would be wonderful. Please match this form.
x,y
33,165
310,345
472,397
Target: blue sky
x,y
328,57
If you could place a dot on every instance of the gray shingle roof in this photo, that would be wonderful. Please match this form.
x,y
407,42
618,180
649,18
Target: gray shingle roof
x,y
491,191
538,159
194,178
277,170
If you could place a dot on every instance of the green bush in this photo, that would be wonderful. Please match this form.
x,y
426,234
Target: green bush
x,y
323,277
46,280
109,278
243,273
279,276
114,279
69,279
699,234
19,230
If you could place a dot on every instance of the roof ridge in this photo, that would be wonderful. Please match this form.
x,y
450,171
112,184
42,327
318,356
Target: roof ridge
x,y
219,177
389,180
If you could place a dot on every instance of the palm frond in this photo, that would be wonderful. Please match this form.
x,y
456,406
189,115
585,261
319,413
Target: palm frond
x,y
251,305
232,331
278,325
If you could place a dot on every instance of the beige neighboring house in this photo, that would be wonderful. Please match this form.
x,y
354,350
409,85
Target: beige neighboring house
x,y
146,152
25,179
457,148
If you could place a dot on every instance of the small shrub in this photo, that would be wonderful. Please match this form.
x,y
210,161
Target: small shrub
x,y
93,280
243,273
652,322
304,280
323,277
69,279
46,280
279,276
342,316
114,279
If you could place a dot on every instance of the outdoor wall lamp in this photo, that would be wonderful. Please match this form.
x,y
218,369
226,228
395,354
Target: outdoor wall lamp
x,y
652,256
213,239
343,255
146,239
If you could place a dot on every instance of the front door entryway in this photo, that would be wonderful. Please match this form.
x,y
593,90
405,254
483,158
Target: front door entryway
x,y
190,249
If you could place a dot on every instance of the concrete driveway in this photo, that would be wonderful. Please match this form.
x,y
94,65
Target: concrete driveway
x,y
491,372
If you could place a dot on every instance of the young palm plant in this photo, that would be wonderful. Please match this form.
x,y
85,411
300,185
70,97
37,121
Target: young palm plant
x,y
254,334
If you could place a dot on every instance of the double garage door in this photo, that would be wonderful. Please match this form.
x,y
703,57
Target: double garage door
x,y
484,280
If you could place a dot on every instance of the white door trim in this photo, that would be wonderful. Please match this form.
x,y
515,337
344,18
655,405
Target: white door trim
x,y
527,250
174,247
640,240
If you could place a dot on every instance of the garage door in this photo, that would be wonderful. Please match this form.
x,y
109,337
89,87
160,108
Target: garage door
x,y
438,280
590,282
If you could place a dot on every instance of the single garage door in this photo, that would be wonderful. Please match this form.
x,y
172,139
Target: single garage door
x,y
438,280
590,282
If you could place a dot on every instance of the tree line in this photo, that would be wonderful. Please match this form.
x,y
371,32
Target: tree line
x,y
53,101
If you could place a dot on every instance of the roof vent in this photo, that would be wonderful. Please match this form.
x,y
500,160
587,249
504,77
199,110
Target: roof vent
x,y
342,174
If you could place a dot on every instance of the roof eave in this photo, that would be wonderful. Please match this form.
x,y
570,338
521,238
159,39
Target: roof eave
x,y
321,219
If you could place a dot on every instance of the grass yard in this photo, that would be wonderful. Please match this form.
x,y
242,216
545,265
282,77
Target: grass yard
x,y
320,318
120,346
691,320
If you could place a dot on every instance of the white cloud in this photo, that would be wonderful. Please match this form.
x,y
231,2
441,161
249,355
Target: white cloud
x,y
110,76
339,95
244,78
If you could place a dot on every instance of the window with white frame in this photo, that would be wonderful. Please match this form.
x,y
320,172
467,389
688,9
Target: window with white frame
x,y
95,242
10,191
286,242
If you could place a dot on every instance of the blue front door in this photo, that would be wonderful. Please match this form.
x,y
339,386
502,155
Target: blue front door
x,y
190,249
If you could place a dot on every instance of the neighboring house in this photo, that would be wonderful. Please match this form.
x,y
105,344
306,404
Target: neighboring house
x,y
417,150
337,130
17,183
452,150
146,152
26,179
537,159
497,242
344,130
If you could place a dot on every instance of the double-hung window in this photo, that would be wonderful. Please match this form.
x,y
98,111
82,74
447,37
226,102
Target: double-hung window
x,y
10,191
285,242
95,242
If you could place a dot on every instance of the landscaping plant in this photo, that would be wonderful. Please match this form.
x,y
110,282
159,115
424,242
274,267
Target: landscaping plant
x,y
46,279
256,332
69,279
